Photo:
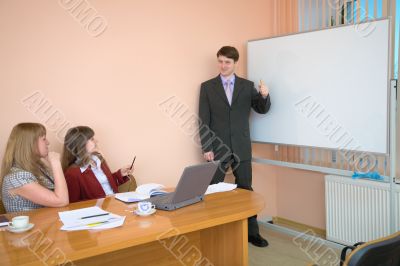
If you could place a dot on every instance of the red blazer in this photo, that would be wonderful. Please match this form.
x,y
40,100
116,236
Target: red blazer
x,y
84,186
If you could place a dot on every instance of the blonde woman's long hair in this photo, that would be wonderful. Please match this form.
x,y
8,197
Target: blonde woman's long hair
x,y
22,149
74,152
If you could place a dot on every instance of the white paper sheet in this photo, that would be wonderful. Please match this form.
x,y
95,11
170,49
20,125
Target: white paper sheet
x,y
106,225
220,187
89,218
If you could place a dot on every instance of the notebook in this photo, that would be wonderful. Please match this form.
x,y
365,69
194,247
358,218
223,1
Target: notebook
x,y
142,192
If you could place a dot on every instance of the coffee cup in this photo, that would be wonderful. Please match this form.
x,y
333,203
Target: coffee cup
x,y
145,207
19,222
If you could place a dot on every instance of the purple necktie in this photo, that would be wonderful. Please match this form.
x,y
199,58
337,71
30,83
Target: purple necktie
x,y
228,91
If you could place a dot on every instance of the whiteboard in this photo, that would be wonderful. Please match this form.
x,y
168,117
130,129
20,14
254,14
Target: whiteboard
x,y
328,88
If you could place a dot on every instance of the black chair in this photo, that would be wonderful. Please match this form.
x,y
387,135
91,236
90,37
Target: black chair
x,y
381,252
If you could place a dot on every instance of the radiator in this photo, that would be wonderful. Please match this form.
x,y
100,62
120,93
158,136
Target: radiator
x,y
358,210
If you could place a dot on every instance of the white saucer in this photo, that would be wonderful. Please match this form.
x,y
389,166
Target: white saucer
x,y
144,214
20,230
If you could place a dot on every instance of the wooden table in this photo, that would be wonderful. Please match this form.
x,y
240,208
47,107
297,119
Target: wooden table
x,y
213,231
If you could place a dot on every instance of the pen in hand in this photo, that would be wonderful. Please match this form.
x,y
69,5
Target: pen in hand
x,y
130,168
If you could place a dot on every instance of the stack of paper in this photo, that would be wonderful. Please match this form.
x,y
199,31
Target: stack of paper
x,y
142,192
220,187
89,218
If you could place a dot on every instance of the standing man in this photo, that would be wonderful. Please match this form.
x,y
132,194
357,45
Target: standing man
x,y
224,110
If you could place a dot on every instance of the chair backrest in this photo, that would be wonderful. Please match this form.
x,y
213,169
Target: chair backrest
x,y
381,252
129,185
2,209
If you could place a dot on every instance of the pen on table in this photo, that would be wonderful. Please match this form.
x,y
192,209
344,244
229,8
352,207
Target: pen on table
x,y
96,215
130,168
98,223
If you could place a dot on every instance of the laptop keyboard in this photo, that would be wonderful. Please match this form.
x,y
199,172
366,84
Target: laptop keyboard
x,y
164,199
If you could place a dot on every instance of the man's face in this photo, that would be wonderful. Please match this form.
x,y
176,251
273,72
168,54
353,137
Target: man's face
x,y
226,66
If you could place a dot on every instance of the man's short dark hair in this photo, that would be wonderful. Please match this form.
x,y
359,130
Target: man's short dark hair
x,y
230,52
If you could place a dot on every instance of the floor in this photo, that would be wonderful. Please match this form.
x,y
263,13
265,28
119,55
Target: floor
x,y
287,250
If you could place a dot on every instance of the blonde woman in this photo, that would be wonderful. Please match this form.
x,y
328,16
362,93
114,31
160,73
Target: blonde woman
x,y
31,176
87,173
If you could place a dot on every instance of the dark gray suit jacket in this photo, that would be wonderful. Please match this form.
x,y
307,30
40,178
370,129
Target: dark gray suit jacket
x,y
224,129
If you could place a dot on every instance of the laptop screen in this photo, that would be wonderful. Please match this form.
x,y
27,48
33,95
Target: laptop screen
x,y
194,181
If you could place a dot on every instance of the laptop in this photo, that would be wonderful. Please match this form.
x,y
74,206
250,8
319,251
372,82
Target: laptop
x,y
190,189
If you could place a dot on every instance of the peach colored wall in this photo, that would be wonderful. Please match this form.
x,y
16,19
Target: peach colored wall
x,y
296,195
301,196
150,51
265,181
